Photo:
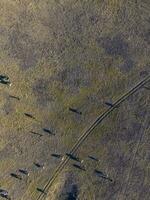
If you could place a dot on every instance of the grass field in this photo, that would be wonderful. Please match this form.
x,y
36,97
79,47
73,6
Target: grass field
x,y
79,54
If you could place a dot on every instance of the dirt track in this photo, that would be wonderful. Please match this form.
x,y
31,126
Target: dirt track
x,y
89,131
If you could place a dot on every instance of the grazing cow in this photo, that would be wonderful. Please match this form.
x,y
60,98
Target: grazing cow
x,y
75,111
3,191
4,194
5,80
63,158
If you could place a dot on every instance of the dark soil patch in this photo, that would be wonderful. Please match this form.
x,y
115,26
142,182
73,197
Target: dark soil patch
x,y
144,190
74,78
130,134
117,46
23,48
128,64
42,92
70,189
147,37
73,194
144,73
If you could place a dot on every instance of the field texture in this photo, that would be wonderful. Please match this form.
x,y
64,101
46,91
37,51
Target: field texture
x,y
80,54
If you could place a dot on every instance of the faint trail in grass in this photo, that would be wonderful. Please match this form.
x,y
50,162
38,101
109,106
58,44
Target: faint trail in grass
x,y
142,134
99,119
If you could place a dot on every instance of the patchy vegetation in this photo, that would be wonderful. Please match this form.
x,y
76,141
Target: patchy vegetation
x,y
80,54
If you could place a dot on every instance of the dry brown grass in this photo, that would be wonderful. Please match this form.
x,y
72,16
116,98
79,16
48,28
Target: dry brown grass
x,y
61,54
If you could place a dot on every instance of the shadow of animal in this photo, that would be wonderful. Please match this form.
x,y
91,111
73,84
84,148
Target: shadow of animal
x,y
16,176
75,111
38,165
109,104
93,158
102,175
79,167
35,133
73,157
56,155
41,190
14,97
48,131
29,115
